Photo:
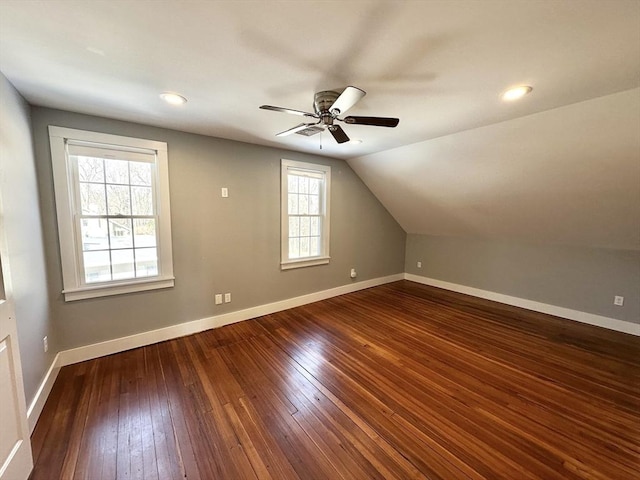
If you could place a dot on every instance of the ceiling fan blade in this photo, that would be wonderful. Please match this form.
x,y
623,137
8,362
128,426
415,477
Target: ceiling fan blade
x,y
375,121
338,133
295,129
288,110
347,99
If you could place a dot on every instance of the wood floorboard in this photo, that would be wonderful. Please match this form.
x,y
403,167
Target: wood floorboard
x,y
401,381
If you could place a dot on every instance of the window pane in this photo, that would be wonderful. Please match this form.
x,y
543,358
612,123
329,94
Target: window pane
x,y
140,173
314,186
304,247
292,184
314,246
118,201
92,199
120,233
293,204
146,262
96,267
314,204
304,226
94,234
303,204
294,247
90,169
303,184
141,201
294,227
117,171
122,264
144,231
314,226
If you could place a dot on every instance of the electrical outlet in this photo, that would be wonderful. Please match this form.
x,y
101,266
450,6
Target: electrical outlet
x,y
619,301
353,273
227,297
45,344
224,192
218,298
419,264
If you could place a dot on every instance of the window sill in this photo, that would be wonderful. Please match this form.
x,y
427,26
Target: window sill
x,y
305,262
82,293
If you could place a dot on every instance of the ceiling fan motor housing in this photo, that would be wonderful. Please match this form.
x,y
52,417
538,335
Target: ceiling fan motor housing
x,y
322,102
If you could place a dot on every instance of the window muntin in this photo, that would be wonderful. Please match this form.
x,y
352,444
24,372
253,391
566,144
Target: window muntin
x,y
305,214
113,213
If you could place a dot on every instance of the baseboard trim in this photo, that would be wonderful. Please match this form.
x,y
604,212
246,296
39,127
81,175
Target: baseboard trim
x,y
40,398
578,316
88,352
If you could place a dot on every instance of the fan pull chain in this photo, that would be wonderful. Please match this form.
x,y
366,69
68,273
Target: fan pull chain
x,y
321,140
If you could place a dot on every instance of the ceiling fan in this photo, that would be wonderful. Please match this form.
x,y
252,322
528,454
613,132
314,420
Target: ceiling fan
x,y
328,106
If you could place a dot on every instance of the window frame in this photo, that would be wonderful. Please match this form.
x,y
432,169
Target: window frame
x,y
66,187
287,263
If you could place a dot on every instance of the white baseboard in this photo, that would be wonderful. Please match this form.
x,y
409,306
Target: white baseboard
x,y
578,316
37,404
88,352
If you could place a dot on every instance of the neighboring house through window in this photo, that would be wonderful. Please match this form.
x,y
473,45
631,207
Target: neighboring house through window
x,y
114,224
305,214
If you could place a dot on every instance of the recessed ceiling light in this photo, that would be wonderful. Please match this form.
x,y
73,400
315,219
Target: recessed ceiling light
x,y
516,93
173,98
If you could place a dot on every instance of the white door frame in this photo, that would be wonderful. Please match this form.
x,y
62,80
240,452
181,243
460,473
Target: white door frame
x,y
16,460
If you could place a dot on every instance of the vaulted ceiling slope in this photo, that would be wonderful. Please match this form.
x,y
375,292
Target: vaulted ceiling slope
x,y
569,176
461,162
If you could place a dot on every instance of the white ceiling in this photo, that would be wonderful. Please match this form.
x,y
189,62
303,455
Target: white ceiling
x,y
437,65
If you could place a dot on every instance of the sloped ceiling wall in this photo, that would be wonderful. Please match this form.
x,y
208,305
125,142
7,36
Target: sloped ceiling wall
x,y
568,176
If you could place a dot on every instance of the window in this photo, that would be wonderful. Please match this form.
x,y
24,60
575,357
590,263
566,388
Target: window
x,y
305,214
112,201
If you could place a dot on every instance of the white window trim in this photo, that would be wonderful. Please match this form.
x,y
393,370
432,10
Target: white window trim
x,y
324,257
73,286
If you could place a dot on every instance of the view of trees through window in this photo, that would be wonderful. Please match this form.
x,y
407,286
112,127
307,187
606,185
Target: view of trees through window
x,y
117,218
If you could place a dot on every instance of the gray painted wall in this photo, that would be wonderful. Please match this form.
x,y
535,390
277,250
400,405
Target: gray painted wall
x,y
26,258
580,278
219,245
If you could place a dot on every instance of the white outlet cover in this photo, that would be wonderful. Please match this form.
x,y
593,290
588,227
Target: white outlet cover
x,y
619,301
218,298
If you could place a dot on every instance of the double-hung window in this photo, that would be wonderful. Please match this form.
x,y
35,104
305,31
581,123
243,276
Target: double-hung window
x,y
114,224
305,214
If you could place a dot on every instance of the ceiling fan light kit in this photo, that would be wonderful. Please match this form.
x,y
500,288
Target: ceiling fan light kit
x,y
328,105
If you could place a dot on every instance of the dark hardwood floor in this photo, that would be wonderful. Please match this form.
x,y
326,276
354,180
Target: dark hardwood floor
x,y
400,381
